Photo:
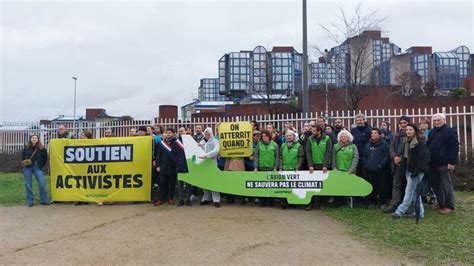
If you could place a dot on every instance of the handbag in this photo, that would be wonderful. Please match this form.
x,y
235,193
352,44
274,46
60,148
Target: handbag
x,y
28,162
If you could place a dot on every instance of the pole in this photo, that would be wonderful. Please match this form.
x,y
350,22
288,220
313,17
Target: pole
x,y
74,117
326,89
305,62
326,81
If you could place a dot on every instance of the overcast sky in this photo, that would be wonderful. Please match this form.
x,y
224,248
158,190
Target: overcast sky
x,y
130,57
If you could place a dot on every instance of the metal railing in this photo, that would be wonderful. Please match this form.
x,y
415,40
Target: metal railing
x,y
13,136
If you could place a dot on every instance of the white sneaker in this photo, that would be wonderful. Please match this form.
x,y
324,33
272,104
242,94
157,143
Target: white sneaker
x,y
193,197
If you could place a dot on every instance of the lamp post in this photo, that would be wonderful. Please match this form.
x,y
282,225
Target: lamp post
x,y
326,70
305,63
74,117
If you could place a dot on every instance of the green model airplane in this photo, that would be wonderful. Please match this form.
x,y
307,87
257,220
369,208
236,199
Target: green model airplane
x,y
296,186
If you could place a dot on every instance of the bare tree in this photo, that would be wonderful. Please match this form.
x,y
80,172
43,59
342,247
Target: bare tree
x,y
354,62
410,83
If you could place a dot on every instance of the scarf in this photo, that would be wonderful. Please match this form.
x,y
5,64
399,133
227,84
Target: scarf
x,y
409,144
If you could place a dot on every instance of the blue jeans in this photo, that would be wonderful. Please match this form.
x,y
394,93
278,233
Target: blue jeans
x,y
410,193
28,176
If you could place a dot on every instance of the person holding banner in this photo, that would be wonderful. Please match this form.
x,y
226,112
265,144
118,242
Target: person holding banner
x,y
184,190
211,147
166,166
319,155
345,156
33,159
266,157
86,134
291,156
63,132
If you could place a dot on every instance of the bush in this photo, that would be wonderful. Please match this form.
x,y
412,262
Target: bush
x,y
10,163
459,92
464,176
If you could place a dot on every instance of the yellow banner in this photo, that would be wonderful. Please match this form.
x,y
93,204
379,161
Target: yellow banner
x,y
108,169
235,139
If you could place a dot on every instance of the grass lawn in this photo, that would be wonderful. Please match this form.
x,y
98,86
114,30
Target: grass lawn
x,y
437,239
12,189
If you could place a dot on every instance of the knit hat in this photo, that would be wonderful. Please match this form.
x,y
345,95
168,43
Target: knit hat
x,y
405,118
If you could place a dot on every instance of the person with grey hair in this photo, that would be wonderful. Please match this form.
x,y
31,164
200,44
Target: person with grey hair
x,y
291,156
345,156
211,147
444,148
361,135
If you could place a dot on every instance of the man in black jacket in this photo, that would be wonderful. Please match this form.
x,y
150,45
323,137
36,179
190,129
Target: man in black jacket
x,y
444,147
63,132
361,135
166,165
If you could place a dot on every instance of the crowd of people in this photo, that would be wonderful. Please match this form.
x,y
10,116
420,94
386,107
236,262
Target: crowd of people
x,y
411,165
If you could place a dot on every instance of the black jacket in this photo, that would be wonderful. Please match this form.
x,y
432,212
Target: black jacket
x,y
361,136
334,135
173,162
419,158
41,156
397,145
444,146
376,156
180,157
165,159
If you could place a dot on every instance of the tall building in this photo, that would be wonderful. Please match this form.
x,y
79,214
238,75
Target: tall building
x,y
258,74
446,69
321,72
208,90
365,57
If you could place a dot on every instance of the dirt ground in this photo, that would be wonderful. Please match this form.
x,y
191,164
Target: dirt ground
x,y
143,234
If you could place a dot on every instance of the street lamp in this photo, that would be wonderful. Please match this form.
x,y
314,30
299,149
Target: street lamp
x,y
74,117
326,70
305,63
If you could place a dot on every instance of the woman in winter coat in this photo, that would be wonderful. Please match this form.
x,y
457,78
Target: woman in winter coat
x,y
211,148
416,156
376,158
38,155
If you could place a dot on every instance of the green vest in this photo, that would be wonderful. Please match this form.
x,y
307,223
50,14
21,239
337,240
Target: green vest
x,y
266,157
318,150
344,156
290,157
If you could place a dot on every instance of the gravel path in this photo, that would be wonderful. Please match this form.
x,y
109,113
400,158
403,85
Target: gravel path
x,y
142,234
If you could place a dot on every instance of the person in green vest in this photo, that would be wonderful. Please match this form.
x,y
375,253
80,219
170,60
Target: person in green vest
x,y
266,158
319,157
345,157
291,153
291,156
